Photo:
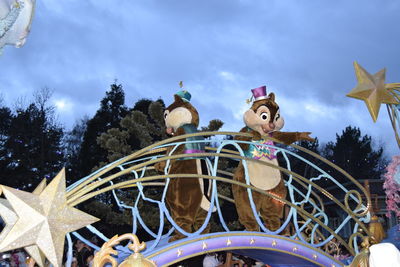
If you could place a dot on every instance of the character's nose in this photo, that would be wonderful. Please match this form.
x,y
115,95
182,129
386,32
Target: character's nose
x,y
271,125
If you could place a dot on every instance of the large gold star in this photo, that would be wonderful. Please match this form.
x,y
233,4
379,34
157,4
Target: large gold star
x,y
372,89
43,220
10,218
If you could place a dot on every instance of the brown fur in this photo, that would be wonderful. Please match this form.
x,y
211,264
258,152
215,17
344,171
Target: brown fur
x,y
184,194
270,209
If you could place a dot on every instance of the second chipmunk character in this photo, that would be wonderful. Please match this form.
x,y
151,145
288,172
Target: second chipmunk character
x,y
263,119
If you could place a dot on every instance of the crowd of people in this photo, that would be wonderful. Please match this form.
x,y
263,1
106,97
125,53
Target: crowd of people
x,y
82,256
15,258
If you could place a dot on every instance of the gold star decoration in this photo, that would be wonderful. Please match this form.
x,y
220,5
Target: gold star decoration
x,y
43,219
204,245
295,249
372,90
274,243
8,215
314,256
10,218
252,241
179,253
228,242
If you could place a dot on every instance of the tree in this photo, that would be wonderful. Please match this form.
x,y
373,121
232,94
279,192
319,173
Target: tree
x,y
72,145
138,129
355,154
112,110
33,146
5,122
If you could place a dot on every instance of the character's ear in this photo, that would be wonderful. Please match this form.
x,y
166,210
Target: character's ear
x,y
271,96
178,99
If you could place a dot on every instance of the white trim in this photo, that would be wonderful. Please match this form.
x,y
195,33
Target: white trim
x,y
260,98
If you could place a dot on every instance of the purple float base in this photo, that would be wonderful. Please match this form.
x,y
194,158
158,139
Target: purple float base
x,y
273,249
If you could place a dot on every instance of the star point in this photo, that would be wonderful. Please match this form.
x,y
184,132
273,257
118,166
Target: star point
x,y
11,218
372,90
43,219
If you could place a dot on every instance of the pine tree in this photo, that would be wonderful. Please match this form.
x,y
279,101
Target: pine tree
x,y
72,145
140,128
5,122
33,146
112,110
355,154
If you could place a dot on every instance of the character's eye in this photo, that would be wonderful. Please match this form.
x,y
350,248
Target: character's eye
x,y
264,116
166,114
277,116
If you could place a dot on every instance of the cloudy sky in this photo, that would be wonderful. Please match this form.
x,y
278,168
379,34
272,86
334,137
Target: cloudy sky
x,y
303,50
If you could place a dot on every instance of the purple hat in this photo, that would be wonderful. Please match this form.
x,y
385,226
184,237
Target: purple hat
x,y
259,93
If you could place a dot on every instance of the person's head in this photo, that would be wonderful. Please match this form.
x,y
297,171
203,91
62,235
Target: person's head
x,y
79,244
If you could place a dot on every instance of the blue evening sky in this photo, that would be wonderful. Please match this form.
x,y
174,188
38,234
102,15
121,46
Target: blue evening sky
x,y
303,50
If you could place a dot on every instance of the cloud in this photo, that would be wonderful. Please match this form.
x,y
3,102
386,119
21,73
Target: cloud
x,y
302,50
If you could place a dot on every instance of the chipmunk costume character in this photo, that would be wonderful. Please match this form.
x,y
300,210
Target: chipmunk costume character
x,y
261,120
187,199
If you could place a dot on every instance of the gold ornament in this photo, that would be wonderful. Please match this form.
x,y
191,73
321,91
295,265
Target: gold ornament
x,y
228,242
102,257
10,218
252,241
43,220
204,245
372,90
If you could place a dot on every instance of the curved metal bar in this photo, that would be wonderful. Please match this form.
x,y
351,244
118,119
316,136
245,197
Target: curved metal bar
x,y
192,176
140,162
238,157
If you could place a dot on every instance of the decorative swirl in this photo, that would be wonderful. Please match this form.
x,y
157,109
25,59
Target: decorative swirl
x,y
103,256
359,203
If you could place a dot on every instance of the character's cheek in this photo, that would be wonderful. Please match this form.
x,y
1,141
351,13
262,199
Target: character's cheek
x,y
279,124
250,118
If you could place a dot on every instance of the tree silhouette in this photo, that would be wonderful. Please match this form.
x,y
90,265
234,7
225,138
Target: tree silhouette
x,y
355,154
32,143
112,110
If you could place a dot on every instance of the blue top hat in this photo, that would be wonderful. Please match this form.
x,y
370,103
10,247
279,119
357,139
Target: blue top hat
x,y
185,95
